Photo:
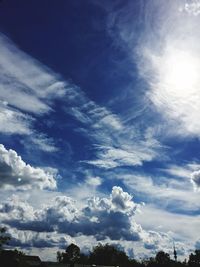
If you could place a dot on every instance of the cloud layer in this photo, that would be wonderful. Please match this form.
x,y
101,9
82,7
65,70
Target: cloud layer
x,y
15,173
102,218
62,221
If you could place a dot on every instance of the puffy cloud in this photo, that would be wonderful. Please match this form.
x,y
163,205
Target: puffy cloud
x,y
157,240
122,200
14,209
119,201
14,172
111,217
103,218
62,210
29,239
62,221
93,181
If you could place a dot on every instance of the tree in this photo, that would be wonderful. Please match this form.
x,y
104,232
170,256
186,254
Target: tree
x,y
162,257
4,239
108,255
59,256
71,254
194,259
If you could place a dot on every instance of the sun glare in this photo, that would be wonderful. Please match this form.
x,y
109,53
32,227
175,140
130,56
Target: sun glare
x,y
180,73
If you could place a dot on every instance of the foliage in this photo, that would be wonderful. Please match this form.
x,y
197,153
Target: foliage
x,y
108,255
71,254
194,259
4,239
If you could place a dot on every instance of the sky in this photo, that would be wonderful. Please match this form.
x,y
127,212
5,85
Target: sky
x,y
99,125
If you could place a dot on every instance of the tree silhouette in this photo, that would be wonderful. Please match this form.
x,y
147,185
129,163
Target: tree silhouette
x,y
162,258
108,255
194,259
4,238
71,254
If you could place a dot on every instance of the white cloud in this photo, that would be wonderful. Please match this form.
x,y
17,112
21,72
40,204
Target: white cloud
x,y
191,7
94,181
111,121
167,55
189,171
16,209
29,239
33,83
44,143
118,201
26,87
112,219
64,215
116,143
195,178
122,200
178,171
170,64
163,191
13,121
125,155
15,173
183,228
176,97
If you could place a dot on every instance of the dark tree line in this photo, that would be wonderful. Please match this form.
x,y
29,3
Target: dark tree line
x,y
112,256
109,255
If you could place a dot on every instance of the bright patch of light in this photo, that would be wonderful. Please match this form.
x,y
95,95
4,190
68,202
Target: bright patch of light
x,y
175,87
180,73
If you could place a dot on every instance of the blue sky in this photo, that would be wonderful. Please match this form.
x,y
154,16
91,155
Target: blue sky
x,y
99,125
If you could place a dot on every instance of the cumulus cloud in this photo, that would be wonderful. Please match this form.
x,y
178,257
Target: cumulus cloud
x,y
122,200
15,173
30,239
94,181
110,217
14,209
61,221
153,240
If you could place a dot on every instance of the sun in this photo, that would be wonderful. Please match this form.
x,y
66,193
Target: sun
x,y
180,73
